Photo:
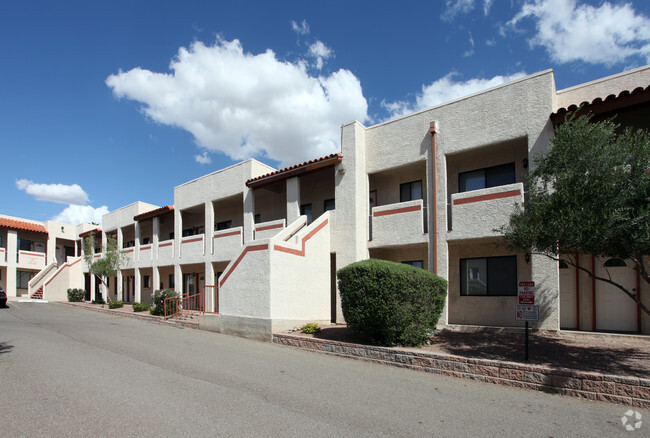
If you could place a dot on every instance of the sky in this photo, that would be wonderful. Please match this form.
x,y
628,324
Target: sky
x,y
103,104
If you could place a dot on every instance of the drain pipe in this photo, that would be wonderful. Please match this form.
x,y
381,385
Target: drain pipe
x,y
433,210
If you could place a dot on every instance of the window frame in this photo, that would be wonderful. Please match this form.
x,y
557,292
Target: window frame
x,y
413,263
485,171
488,292
410,186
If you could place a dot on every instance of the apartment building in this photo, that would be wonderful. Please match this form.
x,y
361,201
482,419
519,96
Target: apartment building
x,y
427,189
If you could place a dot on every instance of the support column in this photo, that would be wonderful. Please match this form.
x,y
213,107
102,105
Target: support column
x,y
154,242
136,252
209,280
249,215
50,250
178,278
178,233
208,238
12,261
293,199
137,287
155,280
118,284
93,295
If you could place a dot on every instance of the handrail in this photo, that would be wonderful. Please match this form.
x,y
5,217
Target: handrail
x,y
184,305
40,277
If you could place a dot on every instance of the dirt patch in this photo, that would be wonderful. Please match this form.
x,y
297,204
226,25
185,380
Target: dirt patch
x,y
603,353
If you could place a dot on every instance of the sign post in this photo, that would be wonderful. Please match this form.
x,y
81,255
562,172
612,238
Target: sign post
x,y
526,310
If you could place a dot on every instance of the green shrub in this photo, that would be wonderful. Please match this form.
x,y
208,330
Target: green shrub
x,y
141,307
310,328
391,302
159,301
76,295
115,304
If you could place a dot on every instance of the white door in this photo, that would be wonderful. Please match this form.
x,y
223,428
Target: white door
x,y
568,317
615,311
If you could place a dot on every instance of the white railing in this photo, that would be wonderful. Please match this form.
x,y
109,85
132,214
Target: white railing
x,y
400,223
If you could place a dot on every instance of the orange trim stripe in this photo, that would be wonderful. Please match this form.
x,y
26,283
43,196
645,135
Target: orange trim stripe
x,y
30,253
397,211
304,240
162,245
269,227
144,248
239,259
193,240
489,197
232,233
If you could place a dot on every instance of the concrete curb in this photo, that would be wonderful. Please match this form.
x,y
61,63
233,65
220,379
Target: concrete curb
x,y
141,316
630,391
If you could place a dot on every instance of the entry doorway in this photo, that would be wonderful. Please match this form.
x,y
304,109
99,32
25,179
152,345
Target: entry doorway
x,y
614,310
568,306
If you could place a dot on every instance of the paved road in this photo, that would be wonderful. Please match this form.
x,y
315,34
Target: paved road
x,y
71,372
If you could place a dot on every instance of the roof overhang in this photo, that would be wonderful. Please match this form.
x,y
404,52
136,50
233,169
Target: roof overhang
x,y
296,170
153,213
600,108
89,232
14,224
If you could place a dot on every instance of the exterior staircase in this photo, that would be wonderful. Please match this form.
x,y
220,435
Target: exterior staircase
x,y
38,295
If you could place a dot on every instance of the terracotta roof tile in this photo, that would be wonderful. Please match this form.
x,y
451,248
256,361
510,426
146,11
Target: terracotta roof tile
x,y
612,102
89,232
14,224
153,213
279,174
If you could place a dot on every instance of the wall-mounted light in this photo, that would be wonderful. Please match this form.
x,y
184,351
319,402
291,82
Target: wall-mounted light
x,y
527,258
62,229
525,163
341,169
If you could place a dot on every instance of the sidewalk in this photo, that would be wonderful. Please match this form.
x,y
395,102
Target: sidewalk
x,y
127,312
604,367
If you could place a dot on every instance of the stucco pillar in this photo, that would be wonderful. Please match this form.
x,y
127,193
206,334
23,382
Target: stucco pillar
x,y
118,284
137,286
293,199
155,279
178,232
545,274
93,295
12,254
249,215
178,278
352,202
50,249
208,238
154,243
209,280
138,230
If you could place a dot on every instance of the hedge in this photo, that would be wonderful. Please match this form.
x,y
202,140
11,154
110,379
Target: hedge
x,y
391,302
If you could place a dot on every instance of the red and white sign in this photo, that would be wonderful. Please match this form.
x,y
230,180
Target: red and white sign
x,y
527,313
526,292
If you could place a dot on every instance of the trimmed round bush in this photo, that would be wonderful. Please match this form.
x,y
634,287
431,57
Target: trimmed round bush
x,y
115,304
141,307
391,302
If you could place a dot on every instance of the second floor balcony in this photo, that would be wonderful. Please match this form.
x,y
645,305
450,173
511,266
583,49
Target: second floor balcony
x,y
31,259
477,213
398,224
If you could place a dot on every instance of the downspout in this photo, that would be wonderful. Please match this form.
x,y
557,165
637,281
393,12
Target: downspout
x,y
434,207
638,296
577,292
593,292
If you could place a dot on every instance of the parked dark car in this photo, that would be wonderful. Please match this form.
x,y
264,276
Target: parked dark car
x,y
3,297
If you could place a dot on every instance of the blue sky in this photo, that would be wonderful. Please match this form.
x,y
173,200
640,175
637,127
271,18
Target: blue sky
x,y
106,103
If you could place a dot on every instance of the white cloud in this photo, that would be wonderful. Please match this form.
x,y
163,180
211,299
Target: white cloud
x,y
470,52
247,105
487,4
321,52
81,214
60,193
455,7
204,158
300,29
444,90
608,34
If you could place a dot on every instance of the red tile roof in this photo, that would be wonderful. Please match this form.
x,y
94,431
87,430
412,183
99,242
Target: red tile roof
x,y
288,172
14,224
89,232
153,213
610,104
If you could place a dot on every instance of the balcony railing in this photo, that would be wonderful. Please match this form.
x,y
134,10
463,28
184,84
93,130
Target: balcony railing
x,y
166,252
3,255
193,246
269,229
478,213
228,243
31,259
400,223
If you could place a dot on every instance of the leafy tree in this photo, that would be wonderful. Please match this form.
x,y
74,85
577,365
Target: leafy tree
x,y
589,194
110,261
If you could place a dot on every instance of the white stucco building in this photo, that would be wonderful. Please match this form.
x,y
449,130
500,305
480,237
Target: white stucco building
x,y
427,189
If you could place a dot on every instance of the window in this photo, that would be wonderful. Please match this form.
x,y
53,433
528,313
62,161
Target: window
x,y
171,281
563,265
188,232
171,235
224,225
146,241
615,263
329,204
24,245
495,276
22,279
415,263
410,191
488,177
257,218
305,209
146,281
